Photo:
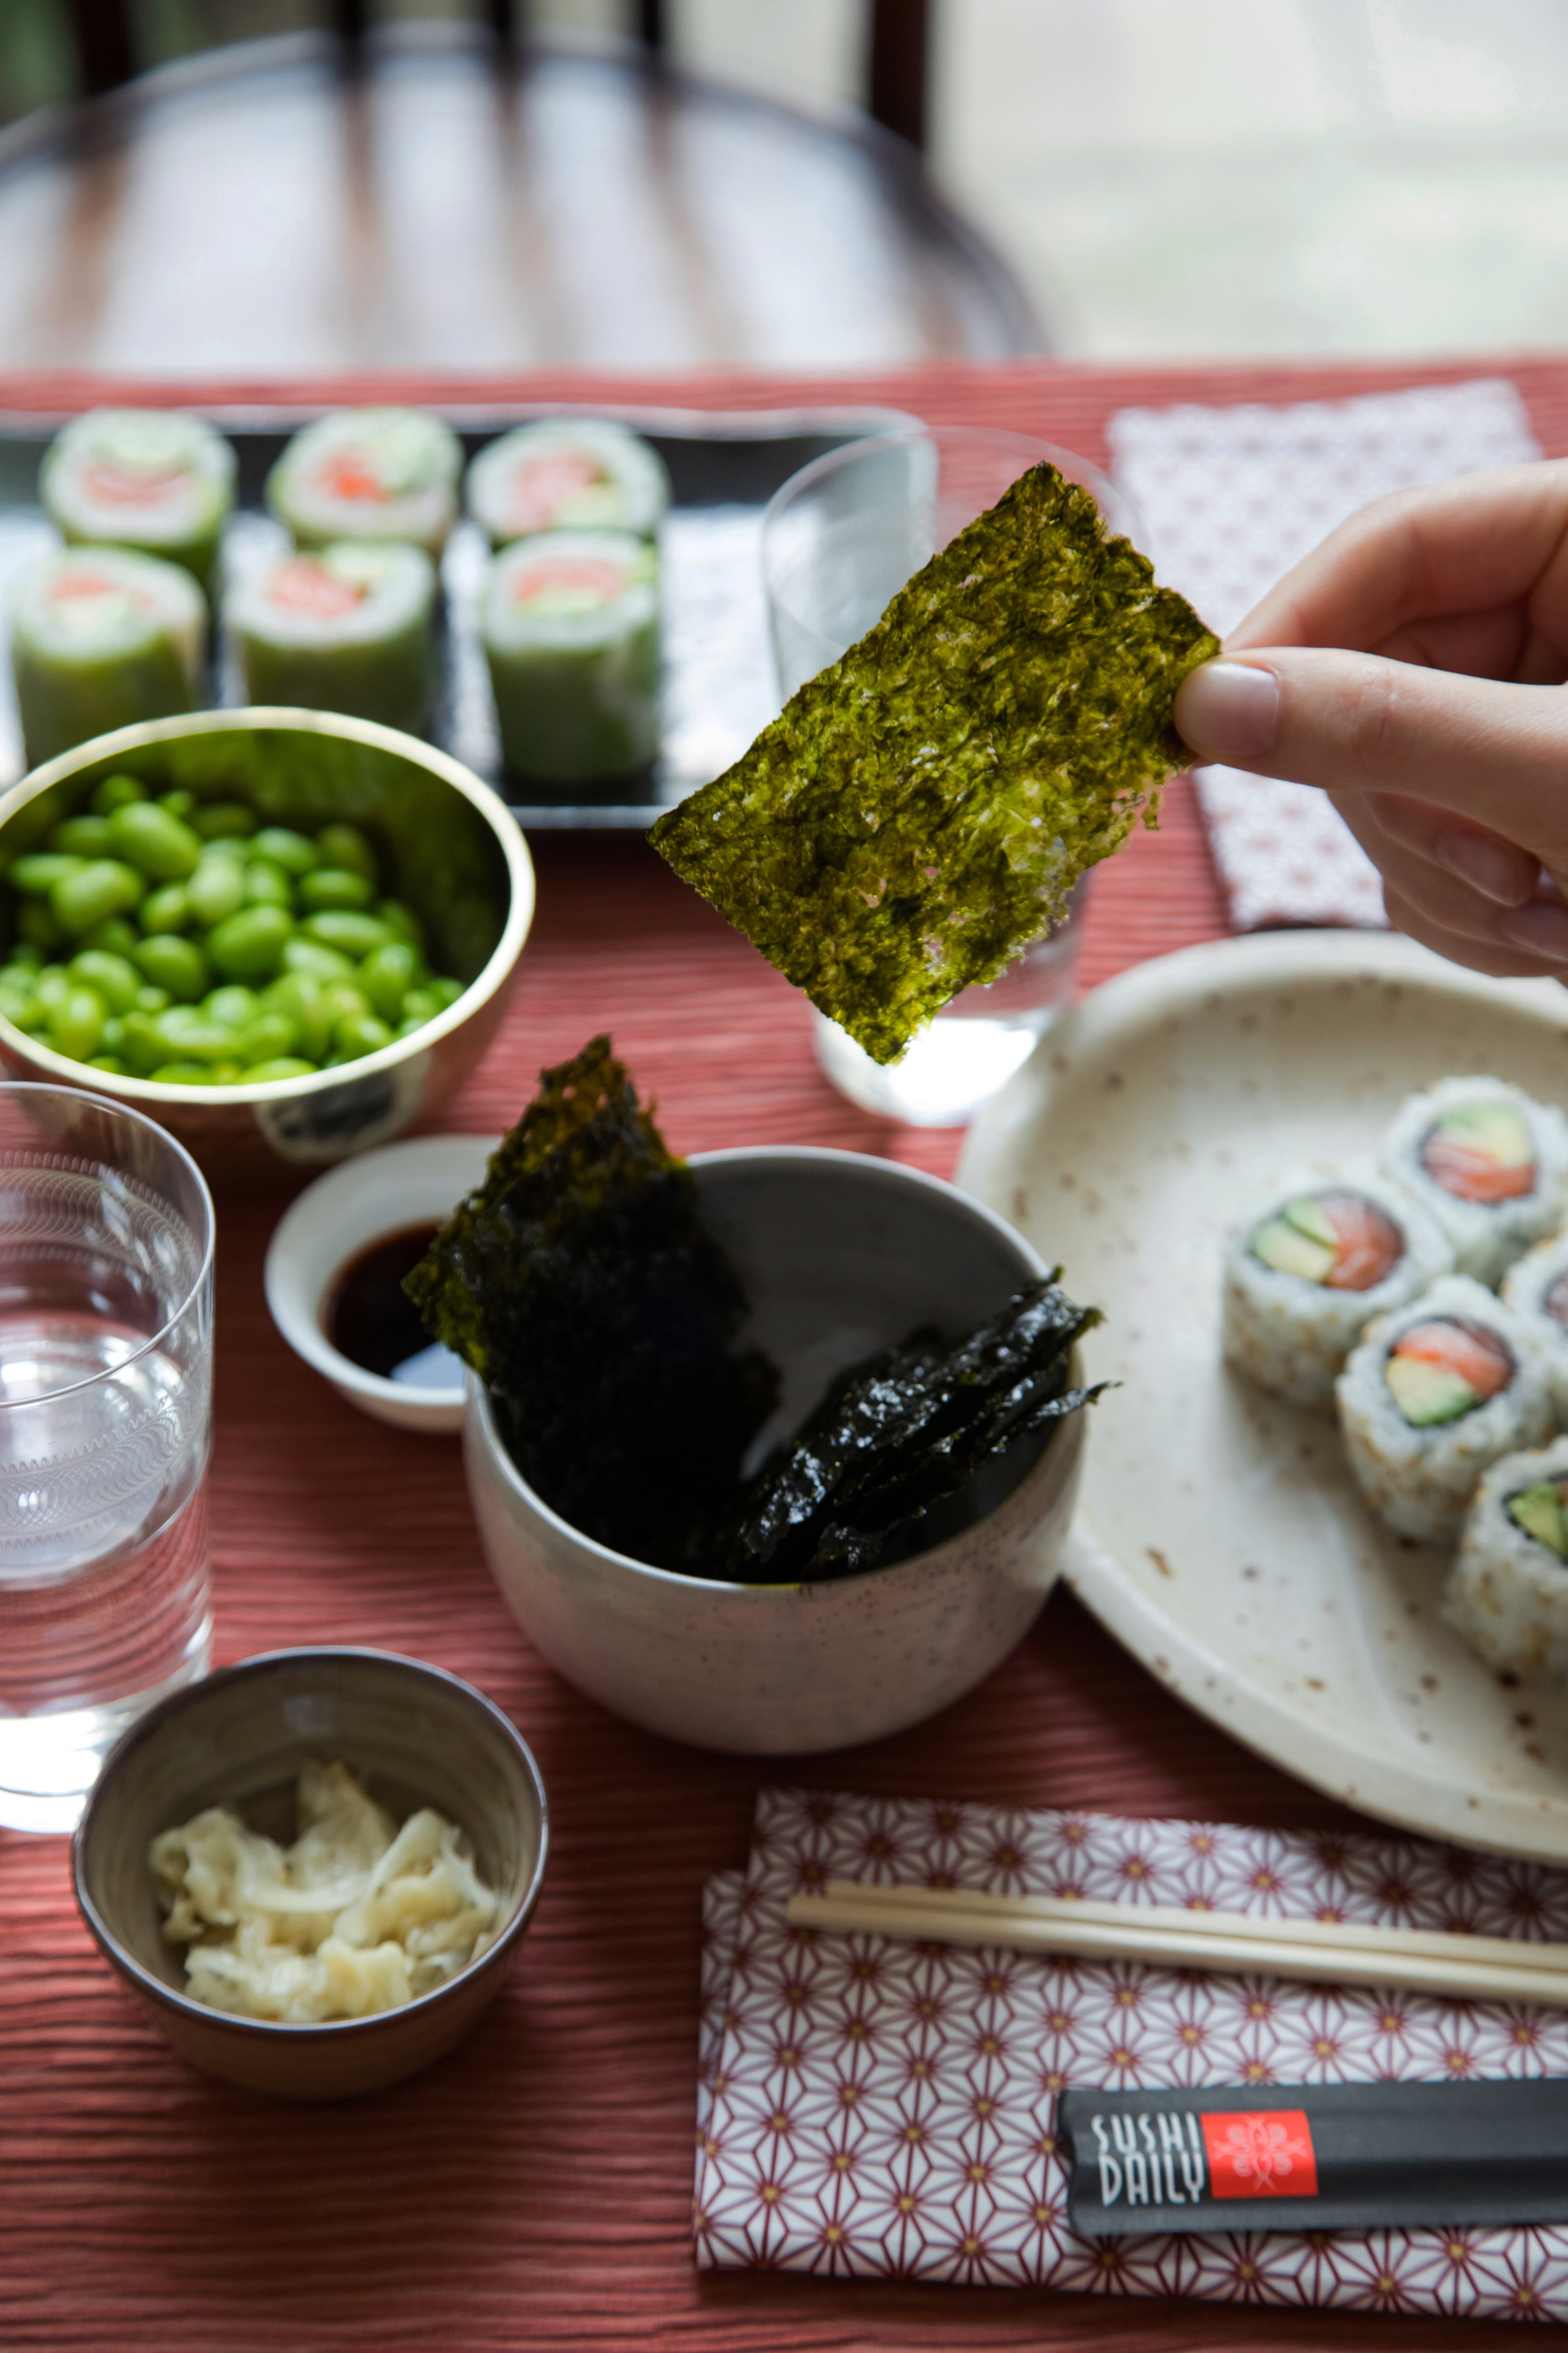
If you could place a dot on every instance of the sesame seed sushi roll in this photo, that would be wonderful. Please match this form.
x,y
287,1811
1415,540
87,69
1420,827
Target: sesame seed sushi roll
x,y
1308,1270
569,623
350,630
1507,1595
1432,1397
1491,1165
369,473
100,638
567,474
140,477
1536,1288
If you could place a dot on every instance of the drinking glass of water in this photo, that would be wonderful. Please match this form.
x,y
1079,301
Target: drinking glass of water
x,y
106,1318
839,540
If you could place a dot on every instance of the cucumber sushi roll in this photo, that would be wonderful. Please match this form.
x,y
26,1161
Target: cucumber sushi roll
x,y
350,629
569,623
141,478
1307,1270
1434,1395
567,474
1490,1165
1536,1288
1506,1595
99,638
369,473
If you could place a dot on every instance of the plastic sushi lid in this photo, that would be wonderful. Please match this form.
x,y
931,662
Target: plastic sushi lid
x,y
570,622
348,628
102,638
140,479
369,474
567,474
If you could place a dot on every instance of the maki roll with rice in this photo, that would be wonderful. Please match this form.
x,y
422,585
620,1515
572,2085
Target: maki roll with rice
x,y
567,474
1507,1595
1491,1165
100,638
351,629
1434,1394
1536,1288
1308,1270
140,479
569,623
369,473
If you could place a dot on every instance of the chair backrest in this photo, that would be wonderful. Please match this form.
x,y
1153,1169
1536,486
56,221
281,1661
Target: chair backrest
x,y
898,61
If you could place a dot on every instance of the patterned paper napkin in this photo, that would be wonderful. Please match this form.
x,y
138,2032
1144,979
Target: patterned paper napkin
x,y
1230,499
884,2110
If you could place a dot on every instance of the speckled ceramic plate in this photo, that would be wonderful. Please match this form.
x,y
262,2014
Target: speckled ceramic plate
x,y
1218,1534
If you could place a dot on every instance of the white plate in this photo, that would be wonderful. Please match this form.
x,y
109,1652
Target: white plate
x,y
1219,1536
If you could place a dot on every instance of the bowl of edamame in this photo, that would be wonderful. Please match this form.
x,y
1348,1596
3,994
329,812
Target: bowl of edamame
x,y
283,935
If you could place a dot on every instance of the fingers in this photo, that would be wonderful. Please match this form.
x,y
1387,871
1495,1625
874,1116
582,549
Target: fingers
x,y
1499,870
1501,960
1467,547
1493,754
1442,899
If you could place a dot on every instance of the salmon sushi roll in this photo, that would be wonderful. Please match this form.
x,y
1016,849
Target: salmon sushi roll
x,y
1506,1595
1307,1272
569,623
1433,1396
100,638
370,474
1491,1165
1536,1288
567,473
351,629
140,479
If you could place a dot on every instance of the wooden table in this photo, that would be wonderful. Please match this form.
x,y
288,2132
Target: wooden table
x,y
533,2190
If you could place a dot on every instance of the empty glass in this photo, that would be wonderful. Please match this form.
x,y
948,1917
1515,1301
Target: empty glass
x,y
106,1252
839,540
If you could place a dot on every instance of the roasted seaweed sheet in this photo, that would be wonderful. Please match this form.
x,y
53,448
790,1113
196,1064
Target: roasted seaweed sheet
x,y
919,811
581,1285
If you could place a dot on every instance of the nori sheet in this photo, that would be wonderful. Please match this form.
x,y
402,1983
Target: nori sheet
x,y
581,1285
919,811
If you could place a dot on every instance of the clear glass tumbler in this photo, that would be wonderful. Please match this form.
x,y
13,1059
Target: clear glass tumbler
x,y
106,1321
839,540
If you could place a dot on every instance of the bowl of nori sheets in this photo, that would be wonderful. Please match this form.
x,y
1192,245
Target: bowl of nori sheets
x,y
840,1255
448,845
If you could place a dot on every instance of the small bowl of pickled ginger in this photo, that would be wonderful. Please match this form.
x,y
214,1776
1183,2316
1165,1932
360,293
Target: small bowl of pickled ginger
x,y
313,1869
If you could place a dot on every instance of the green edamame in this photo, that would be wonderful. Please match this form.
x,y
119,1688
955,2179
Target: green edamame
x,y
104,886
115,977
76,1029
174,965
320,961
162,847
352,935
114,935
335,886
282,846
387,975
360,1034
285,1066
83,836
37,926
267,885
37,874
216,890
167,909
234,1005
116,792
249,945
345,845
216,820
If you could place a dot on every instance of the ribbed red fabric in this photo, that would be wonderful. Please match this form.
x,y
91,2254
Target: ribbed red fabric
x,y
533,2190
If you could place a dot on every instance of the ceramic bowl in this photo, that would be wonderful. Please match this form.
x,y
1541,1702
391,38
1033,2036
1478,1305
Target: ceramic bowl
x,y
840,1254
417,1737
335,1219
455,853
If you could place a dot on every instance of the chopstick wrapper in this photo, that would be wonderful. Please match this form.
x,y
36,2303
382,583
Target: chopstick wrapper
x,y
1230,499
885,2109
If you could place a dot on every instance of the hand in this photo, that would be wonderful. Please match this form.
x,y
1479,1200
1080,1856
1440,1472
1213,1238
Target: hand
x,y
1413,666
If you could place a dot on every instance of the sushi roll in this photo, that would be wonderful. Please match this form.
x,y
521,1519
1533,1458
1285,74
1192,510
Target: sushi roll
x,y
1536,1288
1490,1165
567,474
369,473
99,638
1432,1397
1506,1595
1308,1270
140,477
350,629
569,623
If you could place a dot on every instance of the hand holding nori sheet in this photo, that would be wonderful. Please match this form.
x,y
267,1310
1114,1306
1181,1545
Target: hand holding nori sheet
x,y
918,812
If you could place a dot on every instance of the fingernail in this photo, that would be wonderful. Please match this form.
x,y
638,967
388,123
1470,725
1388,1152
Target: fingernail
x,y
1485,865
1229,710
1541,927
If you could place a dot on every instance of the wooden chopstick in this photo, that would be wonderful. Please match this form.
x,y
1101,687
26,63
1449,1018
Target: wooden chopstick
x,y
1420,1960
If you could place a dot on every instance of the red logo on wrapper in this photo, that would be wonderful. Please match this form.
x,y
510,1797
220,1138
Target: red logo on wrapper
x,y
1260,2153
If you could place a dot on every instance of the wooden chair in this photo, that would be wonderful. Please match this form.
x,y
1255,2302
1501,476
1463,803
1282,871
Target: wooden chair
x,y
467,198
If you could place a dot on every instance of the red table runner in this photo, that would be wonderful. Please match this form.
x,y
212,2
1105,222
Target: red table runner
x,y
533,2190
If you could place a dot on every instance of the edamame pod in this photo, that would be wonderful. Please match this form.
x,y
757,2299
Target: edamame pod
x,y
331,887
168,909
83,836
174,965
160,845
282,846
114,978
216,890
104,886
249,945
352,935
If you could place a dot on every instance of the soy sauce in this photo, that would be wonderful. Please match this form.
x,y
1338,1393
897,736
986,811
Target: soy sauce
x,y
371,1319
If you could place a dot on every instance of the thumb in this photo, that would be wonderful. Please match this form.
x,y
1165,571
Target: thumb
x,y
1489,750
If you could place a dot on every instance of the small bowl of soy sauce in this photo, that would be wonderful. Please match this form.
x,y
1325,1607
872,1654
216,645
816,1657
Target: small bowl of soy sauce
x,y
335,1268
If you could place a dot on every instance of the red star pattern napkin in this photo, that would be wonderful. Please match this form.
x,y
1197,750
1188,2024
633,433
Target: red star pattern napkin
x,y
884,2109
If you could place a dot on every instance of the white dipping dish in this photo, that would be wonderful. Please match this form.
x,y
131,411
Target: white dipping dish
x,y
337,1218
1220,1535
